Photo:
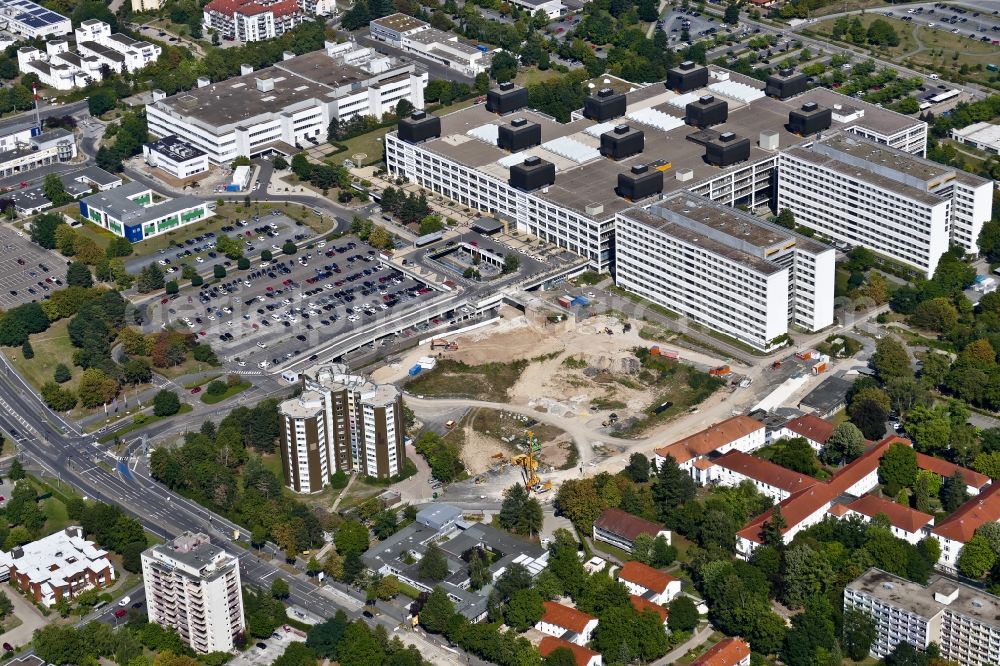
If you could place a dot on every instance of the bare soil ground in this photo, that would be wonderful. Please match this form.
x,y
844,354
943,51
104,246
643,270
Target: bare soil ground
x,y
582,371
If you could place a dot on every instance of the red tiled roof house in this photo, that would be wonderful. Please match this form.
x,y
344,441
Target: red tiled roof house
x,y
775,481
905,523
727,652
651,584
812,428
566,623
583,656
740,433
620,529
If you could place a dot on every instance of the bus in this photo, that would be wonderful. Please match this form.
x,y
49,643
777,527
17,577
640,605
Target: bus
x,y
943,97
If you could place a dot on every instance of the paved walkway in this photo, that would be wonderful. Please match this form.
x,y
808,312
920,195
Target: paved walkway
x,y
31,619
699,638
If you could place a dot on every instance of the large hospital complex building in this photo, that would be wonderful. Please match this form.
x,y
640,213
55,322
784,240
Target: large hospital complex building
x,y
646,183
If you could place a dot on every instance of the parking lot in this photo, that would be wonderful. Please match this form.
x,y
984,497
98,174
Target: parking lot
x,y
27,272
273,647
674,21
265,232
278,311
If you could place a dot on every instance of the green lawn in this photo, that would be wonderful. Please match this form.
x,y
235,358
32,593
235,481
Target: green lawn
x,y
370,144
141,421
201,381
56,517
489,381
210,399
51,348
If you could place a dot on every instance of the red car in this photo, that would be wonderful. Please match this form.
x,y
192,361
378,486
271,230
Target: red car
x,y
270,288
164,301
286,282
196,390
201,333
120,613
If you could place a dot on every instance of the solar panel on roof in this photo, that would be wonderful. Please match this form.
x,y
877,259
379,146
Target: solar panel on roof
x,y
571,149
487,133
741,92
654,118
681,101
599,129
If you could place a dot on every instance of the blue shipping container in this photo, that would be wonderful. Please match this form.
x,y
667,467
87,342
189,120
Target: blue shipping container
x,y
482,48
581,300
414,371
232,188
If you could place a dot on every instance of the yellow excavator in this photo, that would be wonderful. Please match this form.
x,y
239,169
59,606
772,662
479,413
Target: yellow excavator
x,y
528,466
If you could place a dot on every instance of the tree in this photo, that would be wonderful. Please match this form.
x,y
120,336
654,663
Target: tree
x,y
351,538
166,403
520,513
325,638
96,388
935,314
279,588
881,33
796,454
977,557
786,218
434,564
296,654
43,230
510,263
26,350
904,654
101,101
218,271
55,191
771,531
806,574
683,614
503,67
898,468
890,359
16,472
524,609
811,631
929,427
359,647
385,524
732,15
672,487
280,163
846,443
869,416
379,238
437,612
638,468
560,657
78,275
288,247
953,492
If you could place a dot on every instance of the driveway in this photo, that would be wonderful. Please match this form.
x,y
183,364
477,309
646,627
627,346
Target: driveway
x,y
31,619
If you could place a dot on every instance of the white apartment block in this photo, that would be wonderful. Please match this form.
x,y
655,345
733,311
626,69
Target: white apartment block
x,y
193,587
61,68
416,36
861,193
340,422
576,211
31,20
961,619
958,528
725,269
287,107
552,8
257,20
117,51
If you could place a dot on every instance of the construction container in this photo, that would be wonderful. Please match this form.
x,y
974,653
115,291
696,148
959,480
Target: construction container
x,y
819,368
720,371
565,301
427,362
670,353
581,300
804,355
654,350
415,370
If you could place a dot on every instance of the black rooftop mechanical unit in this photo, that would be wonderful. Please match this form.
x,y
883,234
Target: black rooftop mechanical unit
x,y
811,118
532,173
640,182
786,83
706,111
518,135
727,149
507,98
621,142
687,76
605,105
419,126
